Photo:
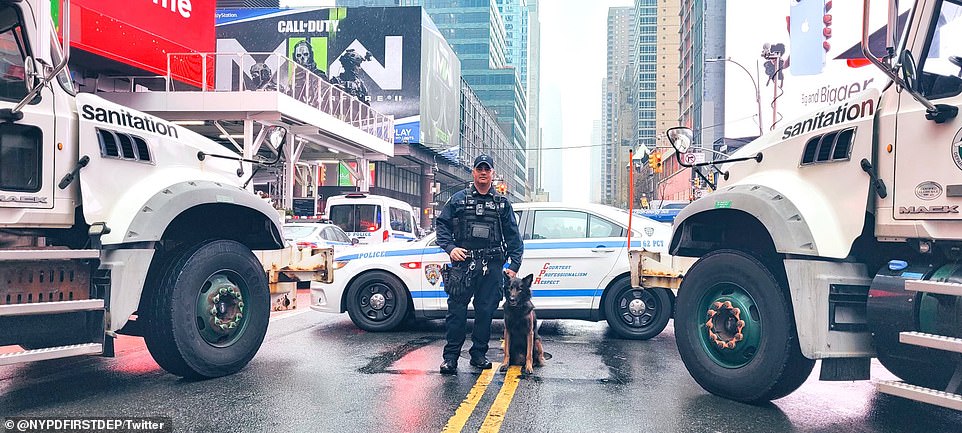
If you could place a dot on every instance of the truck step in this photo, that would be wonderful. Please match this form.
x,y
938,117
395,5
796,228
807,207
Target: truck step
x,y
52,307
953,289
51,353
933,341
918,393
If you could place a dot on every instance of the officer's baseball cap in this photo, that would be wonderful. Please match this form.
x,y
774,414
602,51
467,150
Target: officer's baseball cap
x,y
483,159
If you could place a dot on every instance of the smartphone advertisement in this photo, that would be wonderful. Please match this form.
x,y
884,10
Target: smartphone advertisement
x,y
803,54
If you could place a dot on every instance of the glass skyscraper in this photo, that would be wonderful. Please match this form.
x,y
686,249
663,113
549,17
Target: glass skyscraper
x,y
476,31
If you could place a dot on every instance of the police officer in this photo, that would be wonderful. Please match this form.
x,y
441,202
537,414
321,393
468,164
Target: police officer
x,y
477,228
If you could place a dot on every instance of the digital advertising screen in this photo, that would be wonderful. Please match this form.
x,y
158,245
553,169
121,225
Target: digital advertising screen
x,y
377,48
804,55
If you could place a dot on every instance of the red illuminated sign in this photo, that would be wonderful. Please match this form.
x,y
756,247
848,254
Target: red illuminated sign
x,y
142,33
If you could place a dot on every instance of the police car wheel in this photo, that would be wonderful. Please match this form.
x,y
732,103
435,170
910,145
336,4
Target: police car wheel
x,y
636,314
735,329
377,301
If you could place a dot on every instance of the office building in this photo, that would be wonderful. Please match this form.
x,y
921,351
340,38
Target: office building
x,y
701,85
620,56
666,83
481,133
476,31
523,46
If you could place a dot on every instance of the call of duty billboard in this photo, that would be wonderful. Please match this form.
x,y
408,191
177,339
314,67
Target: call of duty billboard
x,y
377,52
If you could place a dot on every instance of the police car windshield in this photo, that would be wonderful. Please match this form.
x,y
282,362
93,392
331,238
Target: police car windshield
x,y
294,232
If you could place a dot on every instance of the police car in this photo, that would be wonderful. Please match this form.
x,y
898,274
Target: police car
x,y
577,254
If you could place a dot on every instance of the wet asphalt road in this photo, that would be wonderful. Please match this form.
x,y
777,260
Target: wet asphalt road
x,y
317,372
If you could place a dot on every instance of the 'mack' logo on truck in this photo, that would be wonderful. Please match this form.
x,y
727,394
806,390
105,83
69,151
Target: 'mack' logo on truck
x,y
22,199
928,209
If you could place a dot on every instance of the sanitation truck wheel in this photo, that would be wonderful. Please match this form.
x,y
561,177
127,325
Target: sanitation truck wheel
x,y
207,309
635,313
735,329
377,302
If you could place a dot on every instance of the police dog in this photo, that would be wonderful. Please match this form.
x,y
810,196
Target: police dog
x,y
521,341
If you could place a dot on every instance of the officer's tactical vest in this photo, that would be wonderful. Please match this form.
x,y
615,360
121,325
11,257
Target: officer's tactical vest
x,y
480,225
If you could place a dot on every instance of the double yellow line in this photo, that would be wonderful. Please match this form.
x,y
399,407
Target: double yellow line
x,y
492,422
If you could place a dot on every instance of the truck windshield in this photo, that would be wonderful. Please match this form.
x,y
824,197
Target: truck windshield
x,y
56,54
941,60
13,51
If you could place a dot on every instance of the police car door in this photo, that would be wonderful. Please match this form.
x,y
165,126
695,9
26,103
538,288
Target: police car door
x,y
430,290
568,259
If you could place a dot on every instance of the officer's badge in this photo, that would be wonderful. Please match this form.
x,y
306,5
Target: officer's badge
x,y
433,273
649,231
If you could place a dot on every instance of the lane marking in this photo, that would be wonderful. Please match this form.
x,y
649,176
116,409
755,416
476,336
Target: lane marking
x,y
492,423
456,423
288,315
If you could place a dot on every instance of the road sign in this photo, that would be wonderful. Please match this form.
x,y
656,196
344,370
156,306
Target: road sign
x,y
689,157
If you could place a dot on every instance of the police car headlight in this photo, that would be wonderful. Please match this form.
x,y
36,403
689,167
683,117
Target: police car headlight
x,y
339,265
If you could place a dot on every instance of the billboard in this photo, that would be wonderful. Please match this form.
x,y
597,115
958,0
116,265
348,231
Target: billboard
x,y
149,31
440,90
385,42
338,174
803,55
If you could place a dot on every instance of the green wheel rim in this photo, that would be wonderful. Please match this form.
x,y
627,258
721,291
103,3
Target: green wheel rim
x,y
728,324
221,314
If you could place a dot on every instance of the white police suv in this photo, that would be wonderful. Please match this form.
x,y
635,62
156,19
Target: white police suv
x,y
577,254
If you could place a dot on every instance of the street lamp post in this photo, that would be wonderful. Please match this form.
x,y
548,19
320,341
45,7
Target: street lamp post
x,y
758,96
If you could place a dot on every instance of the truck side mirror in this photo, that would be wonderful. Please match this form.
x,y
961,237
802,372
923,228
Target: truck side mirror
x,y
276,136
909,78
680,138
31,74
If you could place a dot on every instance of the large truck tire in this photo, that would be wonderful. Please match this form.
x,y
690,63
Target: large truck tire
x,y
735,329
634,313
207,309
377,302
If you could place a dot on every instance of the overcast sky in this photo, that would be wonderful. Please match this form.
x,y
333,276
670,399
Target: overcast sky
x,y
573,62
573,57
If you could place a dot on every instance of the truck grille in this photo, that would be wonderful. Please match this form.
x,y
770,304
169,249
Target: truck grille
x,y
120,145
49,281
833,146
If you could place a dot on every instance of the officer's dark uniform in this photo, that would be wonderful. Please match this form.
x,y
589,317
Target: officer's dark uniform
x,y
485,225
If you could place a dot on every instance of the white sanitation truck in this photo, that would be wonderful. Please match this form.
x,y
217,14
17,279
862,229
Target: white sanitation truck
x,y
838,237
114,221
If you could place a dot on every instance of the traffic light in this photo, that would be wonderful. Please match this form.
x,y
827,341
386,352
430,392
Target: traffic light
x,y
654,161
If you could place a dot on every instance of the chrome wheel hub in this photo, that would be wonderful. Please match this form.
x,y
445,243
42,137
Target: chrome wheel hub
x,y
377,301
637,307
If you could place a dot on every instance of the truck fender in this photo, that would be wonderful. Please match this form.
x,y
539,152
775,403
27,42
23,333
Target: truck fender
x,y
128,262
785,224
153,218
